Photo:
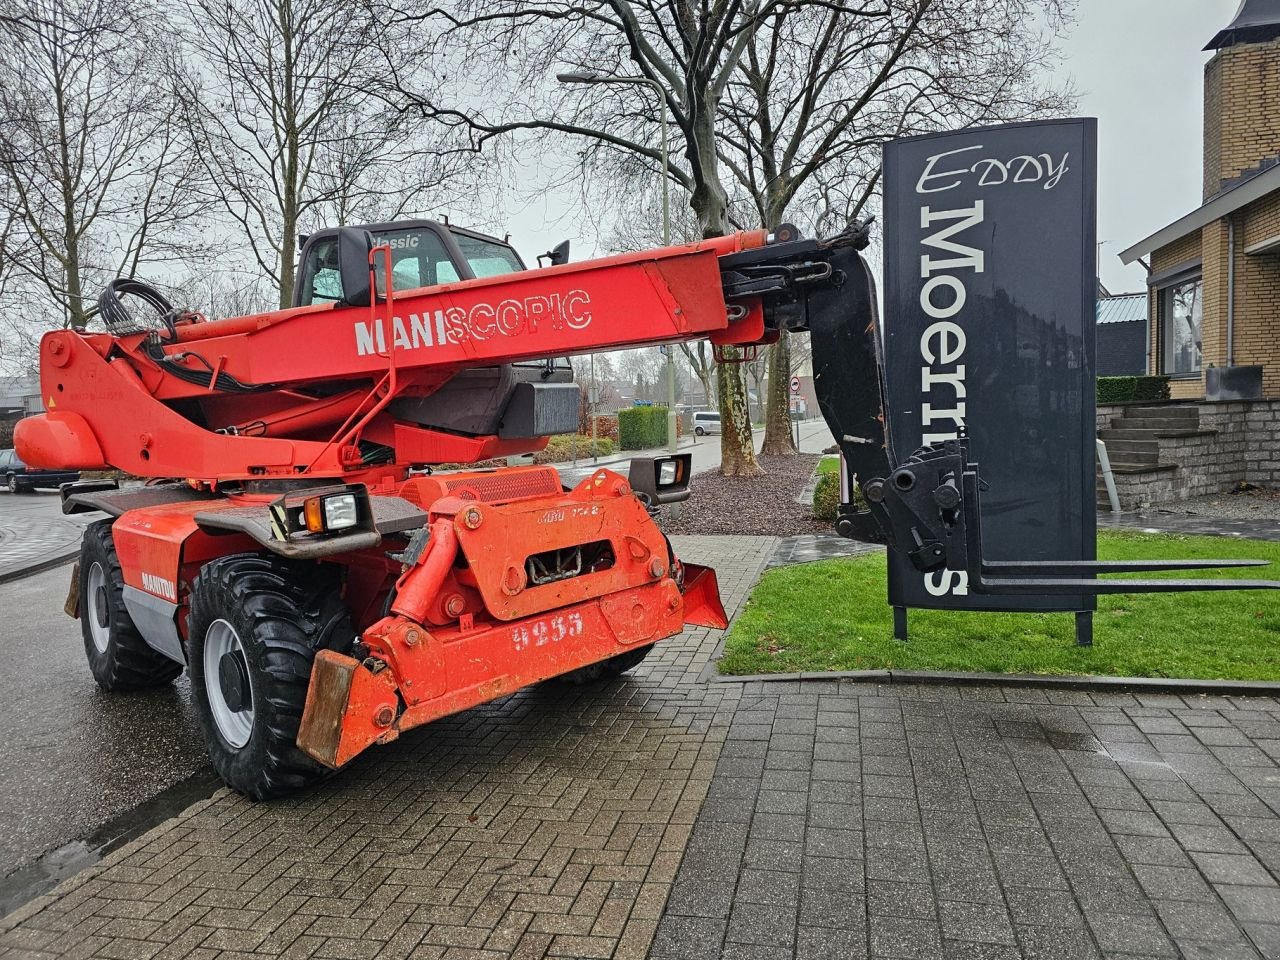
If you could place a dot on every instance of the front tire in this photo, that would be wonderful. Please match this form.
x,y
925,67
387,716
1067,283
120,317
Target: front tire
x,y
699,431
256,624
608,669
13,485
119,658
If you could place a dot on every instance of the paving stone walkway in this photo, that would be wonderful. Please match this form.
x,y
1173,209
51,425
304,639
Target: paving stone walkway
x,y
549,824
861,820
665,816
34,532
1191,524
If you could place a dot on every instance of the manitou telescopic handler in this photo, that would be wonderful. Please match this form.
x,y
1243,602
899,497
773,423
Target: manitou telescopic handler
x,y
327,592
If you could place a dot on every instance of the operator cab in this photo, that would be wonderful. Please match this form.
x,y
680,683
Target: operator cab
x,y
514,400
423,254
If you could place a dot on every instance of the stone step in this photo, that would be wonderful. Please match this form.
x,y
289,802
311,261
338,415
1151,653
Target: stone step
x,y
1123,433
1127,468
1165,426
1166,411
1140,449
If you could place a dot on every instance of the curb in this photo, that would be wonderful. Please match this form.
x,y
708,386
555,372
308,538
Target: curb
x,y
1268,688
40,566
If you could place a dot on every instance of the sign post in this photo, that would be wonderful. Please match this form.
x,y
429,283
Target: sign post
x,y
990,292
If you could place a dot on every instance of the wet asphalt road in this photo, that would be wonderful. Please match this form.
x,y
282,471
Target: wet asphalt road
x,y
71,756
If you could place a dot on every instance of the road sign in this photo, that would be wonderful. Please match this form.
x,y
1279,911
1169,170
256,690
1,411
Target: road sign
x,y
795,384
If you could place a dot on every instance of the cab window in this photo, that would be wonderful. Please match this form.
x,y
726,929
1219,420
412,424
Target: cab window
x,y
418,259
486,258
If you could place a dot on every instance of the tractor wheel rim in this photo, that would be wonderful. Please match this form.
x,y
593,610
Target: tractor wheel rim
x,y
96,608
235,726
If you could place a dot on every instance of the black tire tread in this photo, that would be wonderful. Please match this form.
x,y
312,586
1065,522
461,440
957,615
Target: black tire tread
x,y
284,612
608,669
129,663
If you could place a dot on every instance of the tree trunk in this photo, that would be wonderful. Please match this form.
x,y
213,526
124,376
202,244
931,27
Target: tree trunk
x,y
777,421
711,204
737,452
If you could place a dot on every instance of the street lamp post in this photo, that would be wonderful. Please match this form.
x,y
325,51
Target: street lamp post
x,y
591,76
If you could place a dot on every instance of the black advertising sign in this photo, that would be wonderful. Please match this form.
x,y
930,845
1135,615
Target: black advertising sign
x,y
990,290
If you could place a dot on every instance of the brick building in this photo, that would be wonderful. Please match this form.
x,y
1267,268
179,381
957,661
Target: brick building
x,y
1214,275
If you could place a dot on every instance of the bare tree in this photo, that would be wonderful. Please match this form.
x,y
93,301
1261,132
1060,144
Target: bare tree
x,y
822,87
96,172
790,99
702,365
280,101
684,52
642,367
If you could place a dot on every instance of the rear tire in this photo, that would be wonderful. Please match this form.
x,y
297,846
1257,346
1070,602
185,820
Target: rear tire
x,y
13,485
256,624
119,658
607,669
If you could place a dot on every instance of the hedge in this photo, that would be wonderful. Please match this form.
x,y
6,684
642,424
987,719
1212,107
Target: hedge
x,y
1127,389
642,428
567,446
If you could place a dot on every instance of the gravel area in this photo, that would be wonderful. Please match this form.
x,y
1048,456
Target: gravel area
x,y
1245,505
756,506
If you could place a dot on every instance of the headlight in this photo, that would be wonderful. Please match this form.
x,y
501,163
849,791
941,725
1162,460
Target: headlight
x,y
340,512
667,473
334,512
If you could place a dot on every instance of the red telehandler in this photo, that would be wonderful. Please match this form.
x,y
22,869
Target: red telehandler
x,y
326,591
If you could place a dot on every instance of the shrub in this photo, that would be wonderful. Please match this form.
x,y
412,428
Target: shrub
x,y
564,447
492,464
826,496
1126,389
642,428
607,426
1151,388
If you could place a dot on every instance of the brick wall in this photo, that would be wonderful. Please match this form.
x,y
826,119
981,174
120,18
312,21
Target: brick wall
x,y
1257,323
1241,130
1212,125
1238,442
1257,296
1241,124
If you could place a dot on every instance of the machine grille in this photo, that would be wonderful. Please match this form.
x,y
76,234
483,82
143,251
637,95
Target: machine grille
x,y
499,487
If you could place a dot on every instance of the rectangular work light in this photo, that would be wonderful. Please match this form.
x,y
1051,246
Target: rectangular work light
x,y
660,480
328,510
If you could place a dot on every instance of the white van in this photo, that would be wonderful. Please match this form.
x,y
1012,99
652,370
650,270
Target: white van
x,y
706,421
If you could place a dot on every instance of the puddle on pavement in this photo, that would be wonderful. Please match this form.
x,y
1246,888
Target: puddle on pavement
x,y
1081,742
41,876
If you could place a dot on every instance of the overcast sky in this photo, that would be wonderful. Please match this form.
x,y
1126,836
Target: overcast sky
x,y
1140,70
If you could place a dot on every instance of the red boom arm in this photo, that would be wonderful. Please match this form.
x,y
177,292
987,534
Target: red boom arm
x,y
317,380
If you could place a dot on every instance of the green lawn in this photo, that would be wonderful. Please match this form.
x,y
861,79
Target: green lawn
x,y
829,465
832,615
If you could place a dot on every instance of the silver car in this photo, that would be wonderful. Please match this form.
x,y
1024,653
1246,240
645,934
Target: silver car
x,y
705,422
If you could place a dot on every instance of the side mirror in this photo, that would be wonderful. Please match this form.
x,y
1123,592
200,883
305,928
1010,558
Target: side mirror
x,y
556,255
353,266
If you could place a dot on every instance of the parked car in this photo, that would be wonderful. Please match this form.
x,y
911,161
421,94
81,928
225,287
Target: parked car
x,y
18,476
706,421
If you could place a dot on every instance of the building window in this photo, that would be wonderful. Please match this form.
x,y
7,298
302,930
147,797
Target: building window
x,y
1181,306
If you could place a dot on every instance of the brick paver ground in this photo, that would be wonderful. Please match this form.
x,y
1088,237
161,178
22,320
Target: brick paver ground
x,y
921,822
550,824
34,532
673,815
